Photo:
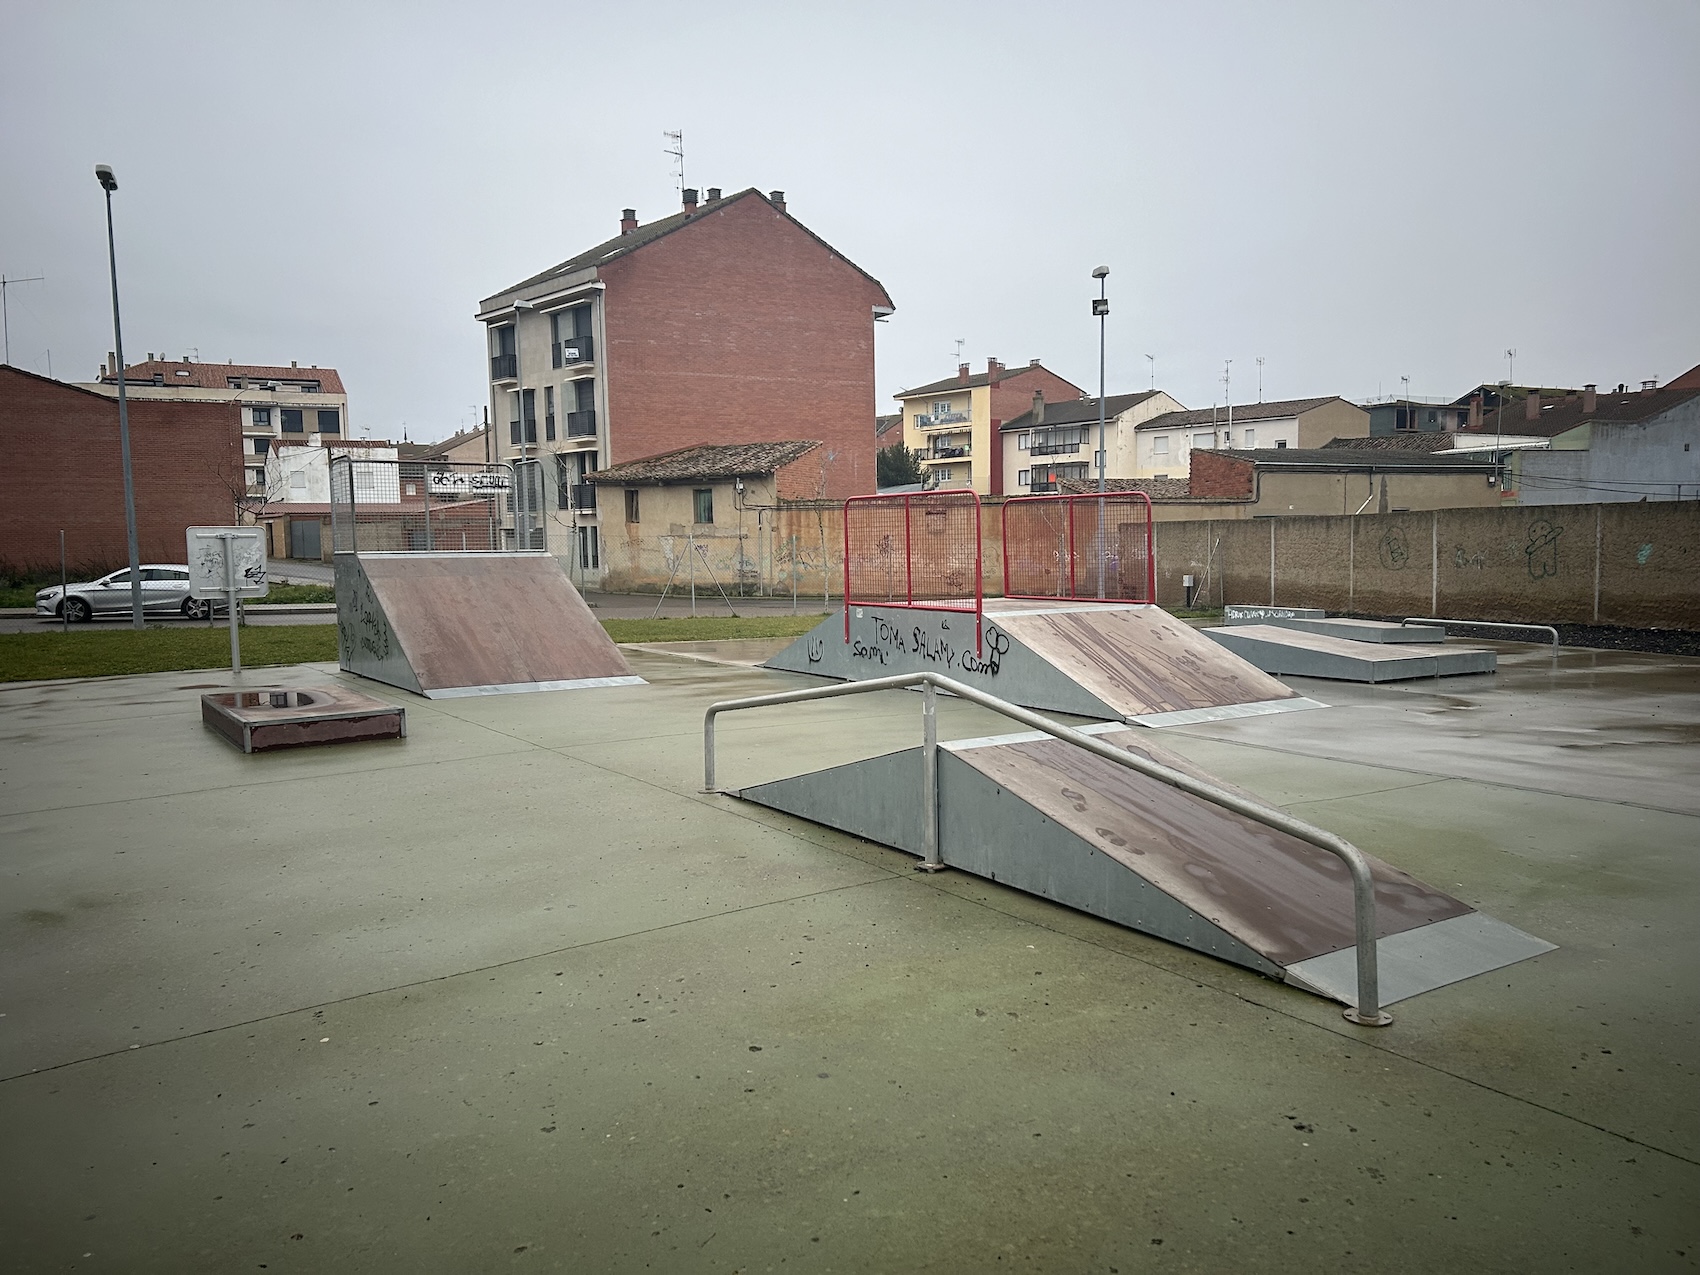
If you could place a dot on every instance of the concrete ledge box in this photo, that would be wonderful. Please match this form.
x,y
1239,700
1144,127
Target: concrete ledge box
x,y
262,720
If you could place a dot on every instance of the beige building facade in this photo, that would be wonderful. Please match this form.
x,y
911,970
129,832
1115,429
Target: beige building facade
x,y
1165,441
955,426
1054,443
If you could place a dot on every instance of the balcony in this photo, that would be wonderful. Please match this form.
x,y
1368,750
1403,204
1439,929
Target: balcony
x,y
941,419
504,367
1042,487
582,424
584,497
944,453
574,350
1049,448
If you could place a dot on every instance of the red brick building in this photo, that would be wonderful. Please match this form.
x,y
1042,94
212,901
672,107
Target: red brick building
x,y
61,468
727,322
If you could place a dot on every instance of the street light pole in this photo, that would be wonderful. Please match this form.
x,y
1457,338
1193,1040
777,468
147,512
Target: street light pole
x,y
1101,308
109,183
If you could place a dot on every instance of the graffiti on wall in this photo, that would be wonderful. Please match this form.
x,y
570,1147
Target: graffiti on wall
x,y
1542,549
1394,550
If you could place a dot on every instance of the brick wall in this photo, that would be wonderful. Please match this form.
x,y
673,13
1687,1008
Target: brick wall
x,y
742,327
1215,476
60,467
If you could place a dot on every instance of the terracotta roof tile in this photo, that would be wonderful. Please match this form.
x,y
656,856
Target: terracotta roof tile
x,y
707,462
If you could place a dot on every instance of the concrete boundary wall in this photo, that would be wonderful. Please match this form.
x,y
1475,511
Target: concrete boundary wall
x,y
1636,564
1619,564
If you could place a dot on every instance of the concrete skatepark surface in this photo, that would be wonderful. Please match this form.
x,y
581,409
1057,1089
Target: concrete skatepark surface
x,y
512,993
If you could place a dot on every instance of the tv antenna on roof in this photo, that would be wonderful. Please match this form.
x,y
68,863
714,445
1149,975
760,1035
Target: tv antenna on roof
x,y
960,342
5,314
677,151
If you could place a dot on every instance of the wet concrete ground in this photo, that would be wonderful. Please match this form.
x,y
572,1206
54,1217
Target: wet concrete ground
x,y
513,994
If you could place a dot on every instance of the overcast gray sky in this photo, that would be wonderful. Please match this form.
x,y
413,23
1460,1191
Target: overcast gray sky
x,y
1353,191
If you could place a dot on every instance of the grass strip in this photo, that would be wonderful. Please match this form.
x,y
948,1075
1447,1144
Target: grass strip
x,y
30,657
710,628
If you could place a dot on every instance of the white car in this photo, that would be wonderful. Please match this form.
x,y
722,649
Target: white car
x,y
165,590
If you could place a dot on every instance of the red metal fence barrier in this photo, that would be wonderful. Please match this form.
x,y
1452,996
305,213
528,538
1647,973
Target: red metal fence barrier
x,y
918,550
1080,548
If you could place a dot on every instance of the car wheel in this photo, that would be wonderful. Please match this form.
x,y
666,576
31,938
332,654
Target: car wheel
x,y
77,611
197,608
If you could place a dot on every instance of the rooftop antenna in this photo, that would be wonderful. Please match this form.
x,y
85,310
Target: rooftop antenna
x,y
959,344
677,151
1228,400
5,315
1152,360
1511,370
1259,378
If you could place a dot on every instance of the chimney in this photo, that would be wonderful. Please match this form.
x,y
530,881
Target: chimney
x,y
1032,362
690,194
777,199
1588,399
713,193
994,370
293,363
1532,406
1475,411
962,374
628,220
1647,387
150,356
1038,407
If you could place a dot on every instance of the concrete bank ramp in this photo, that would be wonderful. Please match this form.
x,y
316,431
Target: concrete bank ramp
x,y
451,624
1122,661
1276,648
1039,815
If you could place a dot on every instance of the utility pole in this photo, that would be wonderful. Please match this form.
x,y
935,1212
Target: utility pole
x,y
1101,308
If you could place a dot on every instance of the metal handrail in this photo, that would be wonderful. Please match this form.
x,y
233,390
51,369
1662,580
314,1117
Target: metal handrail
x,y
1367,1012
1483,624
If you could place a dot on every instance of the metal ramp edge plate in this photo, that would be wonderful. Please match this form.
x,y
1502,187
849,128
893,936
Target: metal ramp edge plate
x,y
1124,662
1302,654
451,624
1421,960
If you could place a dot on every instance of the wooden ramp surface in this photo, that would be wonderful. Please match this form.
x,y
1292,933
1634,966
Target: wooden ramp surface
x,y
1139,659
477,623
1282,897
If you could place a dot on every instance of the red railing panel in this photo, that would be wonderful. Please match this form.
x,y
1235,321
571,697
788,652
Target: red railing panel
x,y
1083,548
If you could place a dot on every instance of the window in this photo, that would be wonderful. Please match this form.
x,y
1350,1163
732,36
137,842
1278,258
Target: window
x,y
584,394
529,398
702,501
298,481
330,421
1250,439
262,446
261,417
1159,444
632,505
549,412
1280,442
1022,477
290,418
1205,441
256,478
1021,441
941,407
513,419
589,549
1159,475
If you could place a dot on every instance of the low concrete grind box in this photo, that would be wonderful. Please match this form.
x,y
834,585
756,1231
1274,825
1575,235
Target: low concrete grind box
x,y
259,721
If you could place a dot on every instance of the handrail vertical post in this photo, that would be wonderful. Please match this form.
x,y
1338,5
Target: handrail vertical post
x,y
1367,1012
708,751
930,861
824,567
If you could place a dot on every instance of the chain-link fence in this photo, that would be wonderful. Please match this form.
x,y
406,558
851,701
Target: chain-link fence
x,y
1086,547
401,506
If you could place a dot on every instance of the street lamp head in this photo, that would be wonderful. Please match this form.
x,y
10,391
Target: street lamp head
x,y
103,174
1100,273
